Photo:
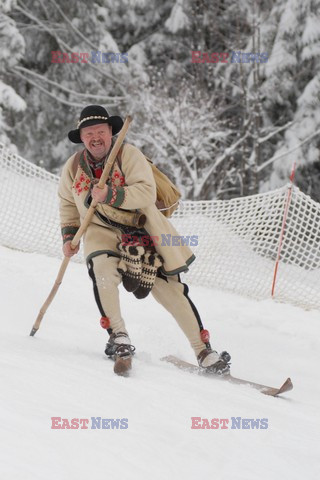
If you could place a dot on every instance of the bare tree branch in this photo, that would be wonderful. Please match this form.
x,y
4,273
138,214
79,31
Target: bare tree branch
x,y
67,47
274,132
277,157
221,159
80,34
57,99
184,161
65,89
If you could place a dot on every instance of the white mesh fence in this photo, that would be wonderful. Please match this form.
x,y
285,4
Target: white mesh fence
x,y
238,239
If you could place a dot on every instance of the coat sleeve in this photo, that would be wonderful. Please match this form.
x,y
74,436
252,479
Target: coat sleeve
x,y
140,190
69,215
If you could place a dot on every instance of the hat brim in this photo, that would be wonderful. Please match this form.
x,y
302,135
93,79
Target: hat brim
x,y
115,122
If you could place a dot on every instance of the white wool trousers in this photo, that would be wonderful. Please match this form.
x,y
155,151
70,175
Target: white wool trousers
x,y
169,291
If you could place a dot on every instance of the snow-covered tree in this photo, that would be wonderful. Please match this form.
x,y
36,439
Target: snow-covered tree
x,y
249,120
11,51
292,90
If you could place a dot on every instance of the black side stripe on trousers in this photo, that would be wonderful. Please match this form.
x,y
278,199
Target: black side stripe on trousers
x,y
192,305
96,291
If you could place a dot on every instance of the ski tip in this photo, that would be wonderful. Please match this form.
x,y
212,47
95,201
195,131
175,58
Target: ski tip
x,y
123,366
274,392
33,332
287,386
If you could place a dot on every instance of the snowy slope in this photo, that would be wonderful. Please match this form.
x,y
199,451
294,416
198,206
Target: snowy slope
x,y
62,372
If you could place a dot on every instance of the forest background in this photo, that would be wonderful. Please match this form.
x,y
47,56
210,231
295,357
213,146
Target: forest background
x,y
220,130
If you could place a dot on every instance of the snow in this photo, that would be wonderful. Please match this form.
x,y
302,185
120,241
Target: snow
x,y
280,59
12,42
108,44
6,5
178,19
62,372
311,31
10,99
310,51
308,97
289,19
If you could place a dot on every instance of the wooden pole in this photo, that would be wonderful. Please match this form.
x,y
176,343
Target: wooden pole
x,y
83,227
284,222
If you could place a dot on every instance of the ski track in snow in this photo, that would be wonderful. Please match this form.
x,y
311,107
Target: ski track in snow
x,y
63,372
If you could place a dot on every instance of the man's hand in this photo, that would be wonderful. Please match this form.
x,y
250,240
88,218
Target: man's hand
x,y
99,194
68,251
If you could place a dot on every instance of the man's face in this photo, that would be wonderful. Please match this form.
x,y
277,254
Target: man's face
x,y
97,139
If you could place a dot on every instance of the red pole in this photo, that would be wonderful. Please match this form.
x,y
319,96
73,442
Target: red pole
x,y
284,221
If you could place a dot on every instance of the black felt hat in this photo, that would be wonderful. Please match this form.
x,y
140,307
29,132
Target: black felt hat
x,y
92,115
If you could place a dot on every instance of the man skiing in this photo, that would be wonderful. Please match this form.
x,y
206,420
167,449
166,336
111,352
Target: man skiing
x,y
110,260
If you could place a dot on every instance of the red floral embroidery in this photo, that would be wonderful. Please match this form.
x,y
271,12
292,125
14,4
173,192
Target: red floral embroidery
x,y
82,184
117,180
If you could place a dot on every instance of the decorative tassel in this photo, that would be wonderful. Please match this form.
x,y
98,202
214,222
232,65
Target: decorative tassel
x,y
130,265
150,264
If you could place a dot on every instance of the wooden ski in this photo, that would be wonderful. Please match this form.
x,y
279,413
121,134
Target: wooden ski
x,y
189,367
